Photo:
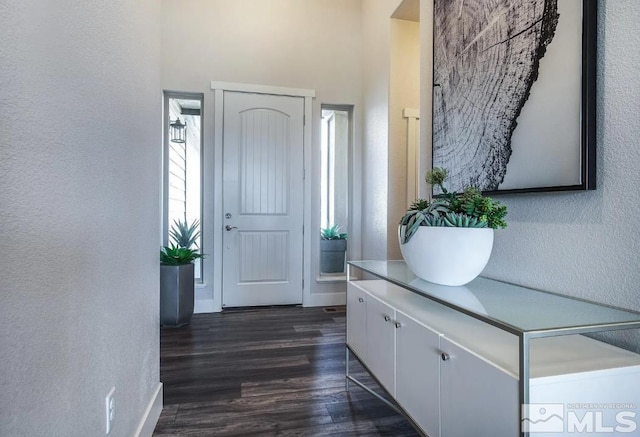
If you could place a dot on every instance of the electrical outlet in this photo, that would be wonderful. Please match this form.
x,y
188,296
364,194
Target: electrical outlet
x,y
110,409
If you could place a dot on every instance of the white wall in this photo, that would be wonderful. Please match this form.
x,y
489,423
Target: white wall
x,y
587,244
79,216
311,44
404,93
376,38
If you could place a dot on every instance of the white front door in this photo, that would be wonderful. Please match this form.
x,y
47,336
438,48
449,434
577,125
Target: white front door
x,y
263,199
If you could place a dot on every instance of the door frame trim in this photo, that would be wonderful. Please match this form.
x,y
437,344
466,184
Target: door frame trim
x,y
218,89
261,89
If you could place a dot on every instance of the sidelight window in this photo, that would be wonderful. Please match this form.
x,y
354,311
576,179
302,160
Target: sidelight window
x,y
334,185
183,165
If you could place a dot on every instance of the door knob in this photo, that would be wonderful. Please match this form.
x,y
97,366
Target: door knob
x,y
398,325
387,318
360,300
229,227
445,356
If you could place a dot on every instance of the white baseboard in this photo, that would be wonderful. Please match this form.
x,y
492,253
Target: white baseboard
x,y
314,300
151,414
325,299
203,306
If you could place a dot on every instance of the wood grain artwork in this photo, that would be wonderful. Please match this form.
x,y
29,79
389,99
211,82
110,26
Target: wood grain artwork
x,y
487,56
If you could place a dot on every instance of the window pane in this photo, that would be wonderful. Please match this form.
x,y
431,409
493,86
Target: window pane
x,y
334,184
184,168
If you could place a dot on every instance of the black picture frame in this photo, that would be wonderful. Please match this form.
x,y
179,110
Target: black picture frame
x,y
587,128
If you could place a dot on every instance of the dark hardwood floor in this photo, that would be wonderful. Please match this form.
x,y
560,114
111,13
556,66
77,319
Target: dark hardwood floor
x,y
267,372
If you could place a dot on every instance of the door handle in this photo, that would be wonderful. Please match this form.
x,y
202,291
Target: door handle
x,y
229,227
445,356
360,300
387,318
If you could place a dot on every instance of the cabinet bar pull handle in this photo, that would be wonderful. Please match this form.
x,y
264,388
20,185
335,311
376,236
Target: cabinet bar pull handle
x,y
387,318
445,356
398,325
360,300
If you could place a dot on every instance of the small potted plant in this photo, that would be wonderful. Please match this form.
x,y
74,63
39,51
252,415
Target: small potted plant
x,y
333,247
177,283
448,240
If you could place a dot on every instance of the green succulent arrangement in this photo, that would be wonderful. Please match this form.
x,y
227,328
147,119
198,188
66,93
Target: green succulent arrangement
x,y
185,235
180,251
175,256
469,209
332,233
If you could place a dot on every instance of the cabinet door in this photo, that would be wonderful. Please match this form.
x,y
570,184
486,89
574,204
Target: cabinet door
x,y
356,320
418,373
476,397
381,343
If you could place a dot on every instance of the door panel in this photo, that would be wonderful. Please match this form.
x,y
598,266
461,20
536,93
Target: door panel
x,y
356,320
263,162
476,396
265,256
263,199
381,348
418,373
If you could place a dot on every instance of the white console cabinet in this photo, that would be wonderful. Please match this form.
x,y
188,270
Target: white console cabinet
x,y
453,367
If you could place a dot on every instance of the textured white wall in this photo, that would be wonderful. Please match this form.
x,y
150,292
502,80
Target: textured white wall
x,y
310,44
79,216
376,36
587,244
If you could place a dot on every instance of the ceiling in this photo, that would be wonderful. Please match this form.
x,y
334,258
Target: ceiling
x,y
408,10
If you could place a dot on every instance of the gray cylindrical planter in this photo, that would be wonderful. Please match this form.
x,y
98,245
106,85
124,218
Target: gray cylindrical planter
x,y
176,294
332,256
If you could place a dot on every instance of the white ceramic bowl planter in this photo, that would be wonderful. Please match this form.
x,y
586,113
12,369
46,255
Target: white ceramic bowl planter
x,y
448,255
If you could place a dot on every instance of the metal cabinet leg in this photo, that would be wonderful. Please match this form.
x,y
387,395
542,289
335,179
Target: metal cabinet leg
x,y
346,373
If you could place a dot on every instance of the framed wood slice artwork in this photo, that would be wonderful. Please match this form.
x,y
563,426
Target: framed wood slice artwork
x,y
514,94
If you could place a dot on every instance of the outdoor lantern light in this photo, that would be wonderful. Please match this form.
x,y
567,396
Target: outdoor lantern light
x,y
178,131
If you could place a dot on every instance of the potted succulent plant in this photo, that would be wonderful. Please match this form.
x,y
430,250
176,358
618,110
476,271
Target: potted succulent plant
x,y
448,240
177,283
333,247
